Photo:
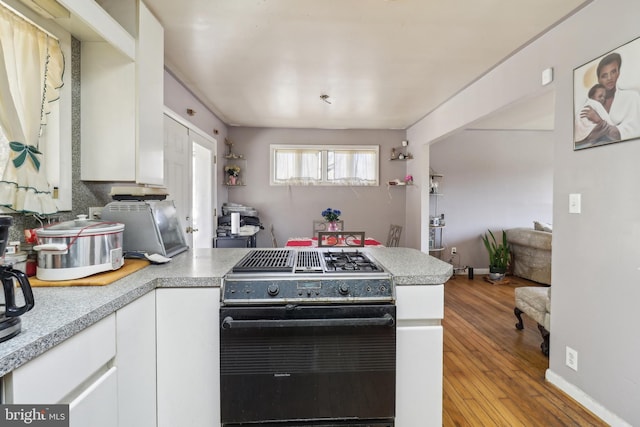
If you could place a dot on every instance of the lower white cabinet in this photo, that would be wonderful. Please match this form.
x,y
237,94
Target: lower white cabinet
x,y
136,362
61,374
188,360
97,405
106,373
419,346
419,376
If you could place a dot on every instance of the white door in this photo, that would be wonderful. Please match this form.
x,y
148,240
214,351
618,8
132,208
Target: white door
x,y
177,170
190,179
202,185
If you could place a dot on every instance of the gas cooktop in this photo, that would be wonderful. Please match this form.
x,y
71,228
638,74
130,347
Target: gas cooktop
x,y
283,276
307,261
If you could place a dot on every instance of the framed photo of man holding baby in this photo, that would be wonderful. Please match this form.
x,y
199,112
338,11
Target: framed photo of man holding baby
x,y
606,97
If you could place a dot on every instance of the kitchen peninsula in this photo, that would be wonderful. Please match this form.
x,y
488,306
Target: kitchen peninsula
x,y
170,313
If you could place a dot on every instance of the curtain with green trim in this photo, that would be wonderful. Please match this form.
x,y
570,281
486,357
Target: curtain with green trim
x,y
31,70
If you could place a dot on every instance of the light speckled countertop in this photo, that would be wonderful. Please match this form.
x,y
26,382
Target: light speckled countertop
x,y
61,312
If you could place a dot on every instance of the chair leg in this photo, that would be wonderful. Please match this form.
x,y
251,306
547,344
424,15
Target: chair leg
x,y
545,340
518,313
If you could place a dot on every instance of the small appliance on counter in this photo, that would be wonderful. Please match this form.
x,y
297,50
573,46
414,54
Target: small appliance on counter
x,y
10,324
151,226
237,227
78,248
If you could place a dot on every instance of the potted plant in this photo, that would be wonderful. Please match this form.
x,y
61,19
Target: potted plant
x,y
499,255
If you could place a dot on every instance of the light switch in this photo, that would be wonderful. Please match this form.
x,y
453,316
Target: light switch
x,y
575,203
547,76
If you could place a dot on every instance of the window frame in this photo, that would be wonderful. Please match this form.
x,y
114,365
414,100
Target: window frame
x,y
323,151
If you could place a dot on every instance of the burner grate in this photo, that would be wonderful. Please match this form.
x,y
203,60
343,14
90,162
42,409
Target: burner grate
x,y
266,261
349,261
309,261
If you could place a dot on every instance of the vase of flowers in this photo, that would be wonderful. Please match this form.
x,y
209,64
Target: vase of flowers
x,y
233,171
331,216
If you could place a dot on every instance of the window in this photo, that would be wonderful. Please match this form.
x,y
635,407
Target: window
x,y
55,138
355,165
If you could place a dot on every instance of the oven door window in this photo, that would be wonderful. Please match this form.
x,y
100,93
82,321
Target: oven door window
x,y
307,363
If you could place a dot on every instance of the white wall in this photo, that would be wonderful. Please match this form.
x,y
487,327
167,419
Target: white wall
x,y
292,209
492,180
596,255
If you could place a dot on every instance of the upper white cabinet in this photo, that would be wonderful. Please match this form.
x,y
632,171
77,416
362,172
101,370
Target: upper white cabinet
x,y
122,107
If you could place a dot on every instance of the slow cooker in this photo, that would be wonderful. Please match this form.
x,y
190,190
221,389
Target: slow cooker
x,y
78,248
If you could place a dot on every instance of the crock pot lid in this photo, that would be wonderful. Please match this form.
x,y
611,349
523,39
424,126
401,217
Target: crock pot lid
x,y
80,227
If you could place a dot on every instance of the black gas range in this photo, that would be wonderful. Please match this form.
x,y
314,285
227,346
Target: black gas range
x,y
308,338
284,276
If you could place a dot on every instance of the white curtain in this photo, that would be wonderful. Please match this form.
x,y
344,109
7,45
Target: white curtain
x,y
298,166
31,69
356,167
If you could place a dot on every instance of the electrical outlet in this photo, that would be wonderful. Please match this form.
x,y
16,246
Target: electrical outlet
x,y
454,250
572,358
95,212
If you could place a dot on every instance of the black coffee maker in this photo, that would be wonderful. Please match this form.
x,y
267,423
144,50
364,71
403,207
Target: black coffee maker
x,y
10,324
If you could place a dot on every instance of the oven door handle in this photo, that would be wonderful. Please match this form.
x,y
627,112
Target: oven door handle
x,y
229,322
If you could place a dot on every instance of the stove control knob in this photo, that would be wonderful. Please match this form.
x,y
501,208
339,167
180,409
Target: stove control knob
x,y
273,289
343,289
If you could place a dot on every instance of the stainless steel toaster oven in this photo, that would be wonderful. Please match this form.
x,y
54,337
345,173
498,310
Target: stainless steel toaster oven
x,y
150,226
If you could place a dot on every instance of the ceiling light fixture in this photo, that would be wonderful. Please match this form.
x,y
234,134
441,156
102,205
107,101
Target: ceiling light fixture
x,y
325,98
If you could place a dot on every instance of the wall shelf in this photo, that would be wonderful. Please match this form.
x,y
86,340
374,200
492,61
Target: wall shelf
x,y
235,160
436,242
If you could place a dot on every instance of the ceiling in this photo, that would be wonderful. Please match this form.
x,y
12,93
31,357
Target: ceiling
x,y
384,64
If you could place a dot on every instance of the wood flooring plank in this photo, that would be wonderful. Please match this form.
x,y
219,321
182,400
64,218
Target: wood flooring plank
x,y
494,373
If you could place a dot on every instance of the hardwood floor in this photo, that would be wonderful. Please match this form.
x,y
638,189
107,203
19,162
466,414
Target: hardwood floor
x,y
493,373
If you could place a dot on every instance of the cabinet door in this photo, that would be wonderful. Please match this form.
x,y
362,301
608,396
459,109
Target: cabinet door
x,y
97,406
135,360
419,376
122,108
188,361
108,123
419,355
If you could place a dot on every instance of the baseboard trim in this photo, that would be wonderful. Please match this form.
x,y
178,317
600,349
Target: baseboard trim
x,y
465,270
585,400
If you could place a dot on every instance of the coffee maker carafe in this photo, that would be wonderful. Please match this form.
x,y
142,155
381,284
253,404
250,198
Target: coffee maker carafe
x,y
10,324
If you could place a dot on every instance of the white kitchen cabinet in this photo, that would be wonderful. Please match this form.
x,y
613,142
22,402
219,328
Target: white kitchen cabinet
x,y
135,360
419,346
62,373
188,360
97,405
122,108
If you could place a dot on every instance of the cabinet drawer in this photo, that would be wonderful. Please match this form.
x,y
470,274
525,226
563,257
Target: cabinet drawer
x,y
51,376
420,302
97,406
